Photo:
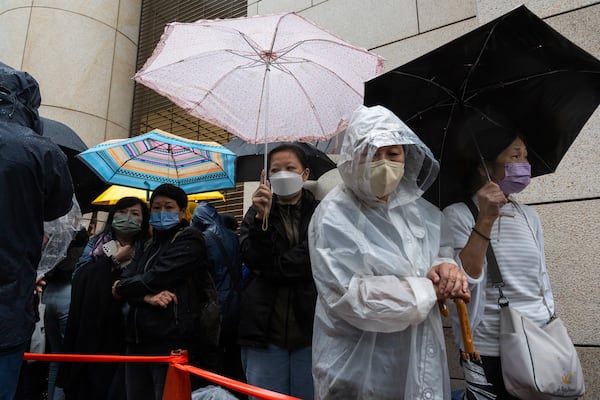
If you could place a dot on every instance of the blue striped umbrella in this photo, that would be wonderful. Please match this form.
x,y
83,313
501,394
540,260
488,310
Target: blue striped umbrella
x,y
158,157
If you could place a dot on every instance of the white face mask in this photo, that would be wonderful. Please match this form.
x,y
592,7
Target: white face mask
x,y
385,176
286,183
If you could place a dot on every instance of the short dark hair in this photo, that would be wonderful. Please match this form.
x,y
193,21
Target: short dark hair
x,y
127,202
294,148
171,191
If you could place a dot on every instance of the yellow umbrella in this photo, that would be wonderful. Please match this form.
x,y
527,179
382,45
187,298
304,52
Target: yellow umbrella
x,y
115,192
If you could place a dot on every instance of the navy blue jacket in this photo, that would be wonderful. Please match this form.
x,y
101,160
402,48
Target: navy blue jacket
x,y
35,186
225,266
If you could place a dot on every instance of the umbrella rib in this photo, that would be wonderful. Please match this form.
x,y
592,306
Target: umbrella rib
x,y
312,105
148,150
170,150
519,80
476,63
430,81
443,103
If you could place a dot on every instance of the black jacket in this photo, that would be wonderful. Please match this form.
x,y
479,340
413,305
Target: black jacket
x,y
173,260
36,186
276,265
95,326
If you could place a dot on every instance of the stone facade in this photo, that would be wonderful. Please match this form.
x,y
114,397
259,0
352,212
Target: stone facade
x,y
83,55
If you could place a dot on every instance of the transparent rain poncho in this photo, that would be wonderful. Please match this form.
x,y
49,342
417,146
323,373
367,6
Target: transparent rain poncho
x,y
378,332
59,233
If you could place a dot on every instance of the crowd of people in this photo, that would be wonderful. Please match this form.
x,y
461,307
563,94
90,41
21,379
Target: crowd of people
x,y
337,299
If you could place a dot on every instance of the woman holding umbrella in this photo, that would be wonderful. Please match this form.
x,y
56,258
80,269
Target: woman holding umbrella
x,y
380,264
515,233
278,299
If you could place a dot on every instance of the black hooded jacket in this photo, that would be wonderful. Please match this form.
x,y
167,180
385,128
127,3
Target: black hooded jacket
x,y
36,186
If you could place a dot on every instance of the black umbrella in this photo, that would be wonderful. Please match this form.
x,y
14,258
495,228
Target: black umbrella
x,y
250,159
86,183
514,74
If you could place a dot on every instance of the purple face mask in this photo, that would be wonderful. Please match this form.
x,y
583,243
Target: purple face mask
x,y
516,177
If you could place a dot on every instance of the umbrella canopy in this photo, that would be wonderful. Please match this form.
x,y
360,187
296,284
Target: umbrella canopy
x,y
62,135
263,78
158,157
115,192
250,156
86,184
512,75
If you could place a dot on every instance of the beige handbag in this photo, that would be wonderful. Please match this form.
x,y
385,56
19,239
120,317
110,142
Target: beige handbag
x,y
538,362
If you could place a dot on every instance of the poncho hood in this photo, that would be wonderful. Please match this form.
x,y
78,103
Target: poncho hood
x,y
371,128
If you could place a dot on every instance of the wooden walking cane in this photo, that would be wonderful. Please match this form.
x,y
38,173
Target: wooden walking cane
x,y
468,352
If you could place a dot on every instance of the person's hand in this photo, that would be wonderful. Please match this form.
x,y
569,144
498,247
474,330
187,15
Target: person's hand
x,y
262,197
124,252
115,295
162,299
491,199
39,285
449,281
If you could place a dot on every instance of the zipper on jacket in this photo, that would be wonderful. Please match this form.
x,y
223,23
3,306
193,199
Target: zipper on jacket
x,y
175,311
135,314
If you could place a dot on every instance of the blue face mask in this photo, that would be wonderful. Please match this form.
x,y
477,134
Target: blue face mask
x,y
163,220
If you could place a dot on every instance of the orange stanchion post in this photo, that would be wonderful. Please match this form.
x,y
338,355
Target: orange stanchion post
x,y
177,383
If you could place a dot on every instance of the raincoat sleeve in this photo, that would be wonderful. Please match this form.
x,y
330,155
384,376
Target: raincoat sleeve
x,y
58,186
351,279
186,253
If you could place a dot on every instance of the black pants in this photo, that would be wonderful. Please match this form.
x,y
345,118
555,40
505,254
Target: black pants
x,y
493,372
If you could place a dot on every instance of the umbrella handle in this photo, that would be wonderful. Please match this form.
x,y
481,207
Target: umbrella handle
x,y
465,327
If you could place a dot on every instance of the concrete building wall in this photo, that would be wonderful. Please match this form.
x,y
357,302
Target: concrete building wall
x,y
83,55
401,30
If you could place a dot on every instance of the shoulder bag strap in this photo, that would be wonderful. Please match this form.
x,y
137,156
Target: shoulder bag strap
x,y
493,269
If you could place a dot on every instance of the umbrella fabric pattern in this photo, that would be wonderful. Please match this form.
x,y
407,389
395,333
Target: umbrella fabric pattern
x,y
249,162
158,157
263,78
513,74
114,193
86,184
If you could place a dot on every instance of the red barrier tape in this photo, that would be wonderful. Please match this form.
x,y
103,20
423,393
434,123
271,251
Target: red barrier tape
x,y
175,360
103,358
235,385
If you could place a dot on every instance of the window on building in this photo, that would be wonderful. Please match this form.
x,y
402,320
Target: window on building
x,y
153,111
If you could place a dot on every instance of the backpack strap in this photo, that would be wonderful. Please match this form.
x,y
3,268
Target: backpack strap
x,y
493,269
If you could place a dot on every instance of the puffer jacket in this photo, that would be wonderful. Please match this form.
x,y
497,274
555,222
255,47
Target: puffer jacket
x,y
174,260
36,186
277,268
